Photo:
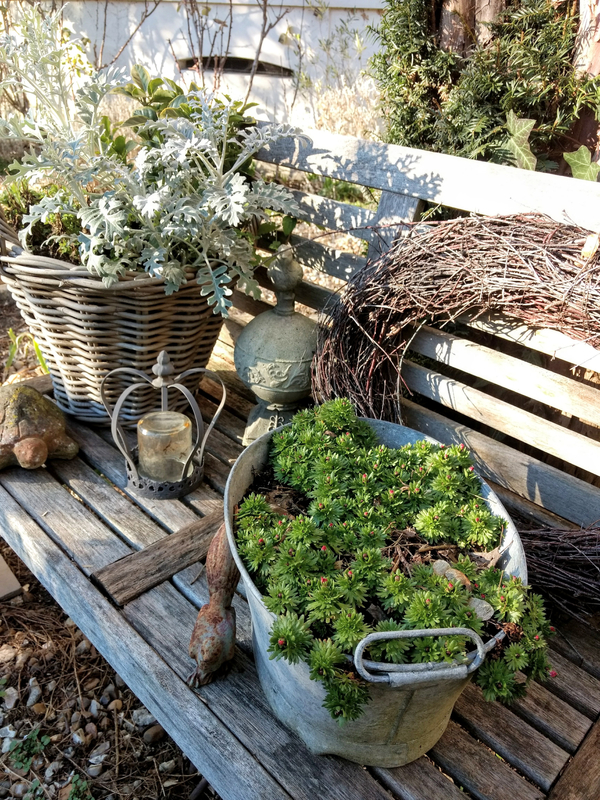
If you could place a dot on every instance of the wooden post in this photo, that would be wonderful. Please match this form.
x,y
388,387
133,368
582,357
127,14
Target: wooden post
x,y
486,11
457,26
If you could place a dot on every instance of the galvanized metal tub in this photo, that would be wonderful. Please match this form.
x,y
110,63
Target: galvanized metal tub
x,y
410,704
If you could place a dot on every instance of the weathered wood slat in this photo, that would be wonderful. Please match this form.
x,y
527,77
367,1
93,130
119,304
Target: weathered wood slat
x,y
318,255
456,182
81,534
228,424
550,715
575,448
165,619
126,579
334,215
544,340
526,508
237,405
541,483
392,211
523,747
509,372
420,780
573,684
482,774
580,644
117,511
206,740
581,779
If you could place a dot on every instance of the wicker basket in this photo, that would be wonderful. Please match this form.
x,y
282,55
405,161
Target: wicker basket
x,y
85,330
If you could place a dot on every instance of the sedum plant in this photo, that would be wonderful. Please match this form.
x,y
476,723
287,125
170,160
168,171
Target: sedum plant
x,y
175,201
336,570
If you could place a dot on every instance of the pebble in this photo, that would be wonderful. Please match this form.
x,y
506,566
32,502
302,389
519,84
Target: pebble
x,y
75,717
1,719
19,789
37,762
83,647
91,684
154,734
166,767
23,658
69,623
105,723
35,692
115,705
440,566
51,770
85,703
483,609
39,708
6,745
51,686
69,752
91,730
142,717
78,737
7,653
100,751
94,708
94,770
119,681
11,697
7,732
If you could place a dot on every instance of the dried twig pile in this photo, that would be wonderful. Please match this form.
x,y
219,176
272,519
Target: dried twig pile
x,y
565,566
526,266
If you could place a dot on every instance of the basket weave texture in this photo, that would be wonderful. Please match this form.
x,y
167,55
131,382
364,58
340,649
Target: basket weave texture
x,y
85,329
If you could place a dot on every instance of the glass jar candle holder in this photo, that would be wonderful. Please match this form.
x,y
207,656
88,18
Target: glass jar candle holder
x,y
164,445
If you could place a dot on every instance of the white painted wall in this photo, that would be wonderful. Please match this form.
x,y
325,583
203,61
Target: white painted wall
x,y
150,45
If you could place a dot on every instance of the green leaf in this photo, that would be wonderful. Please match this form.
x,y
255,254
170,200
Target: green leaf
x,y
41,360
582,165
154,84
141,116
518,143
140,76
288,224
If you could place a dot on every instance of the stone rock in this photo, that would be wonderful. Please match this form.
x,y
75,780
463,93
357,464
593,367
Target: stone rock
x,y
94,708
91,684
6,745
75,717
51,770
51,686
98,754
143,718
7,653
39,708
481,608
69,623
11,697
35,692
115,705
1,719
37,762
7,732
83,647
154,734
78,737
119,681
32,428
440,566
94,770
91,730
166,767
19,789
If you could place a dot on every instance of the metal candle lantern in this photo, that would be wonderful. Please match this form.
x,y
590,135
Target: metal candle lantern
x,y
168,460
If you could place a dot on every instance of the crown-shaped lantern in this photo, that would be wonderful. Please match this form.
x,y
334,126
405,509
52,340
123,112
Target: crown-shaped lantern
x,y
168,461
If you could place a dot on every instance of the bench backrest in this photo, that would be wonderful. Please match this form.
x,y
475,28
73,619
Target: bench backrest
x,y
548,408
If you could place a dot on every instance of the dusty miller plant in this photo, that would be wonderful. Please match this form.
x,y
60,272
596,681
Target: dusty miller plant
x,y
173,202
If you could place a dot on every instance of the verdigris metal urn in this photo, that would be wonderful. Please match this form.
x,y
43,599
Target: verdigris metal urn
x,y
273,353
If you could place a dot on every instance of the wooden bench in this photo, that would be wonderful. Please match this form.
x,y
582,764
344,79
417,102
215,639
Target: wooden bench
x,y
69,524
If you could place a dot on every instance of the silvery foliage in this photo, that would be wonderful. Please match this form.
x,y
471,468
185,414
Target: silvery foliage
x,y
175,209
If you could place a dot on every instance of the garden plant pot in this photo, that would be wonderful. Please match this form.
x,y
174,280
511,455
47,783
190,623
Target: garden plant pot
x,y
410,704
85,329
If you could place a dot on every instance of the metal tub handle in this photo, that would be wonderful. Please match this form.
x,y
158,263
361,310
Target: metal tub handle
x,y
406,674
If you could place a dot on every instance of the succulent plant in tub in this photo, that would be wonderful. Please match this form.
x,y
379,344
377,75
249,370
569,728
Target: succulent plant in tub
x,y
346,538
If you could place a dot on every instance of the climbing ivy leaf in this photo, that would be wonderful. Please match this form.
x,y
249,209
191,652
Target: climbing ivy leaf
x,y
518,141
582,165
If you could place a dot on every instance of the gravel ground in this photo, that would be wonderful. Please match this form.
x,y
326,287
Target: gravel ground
x,y
70,729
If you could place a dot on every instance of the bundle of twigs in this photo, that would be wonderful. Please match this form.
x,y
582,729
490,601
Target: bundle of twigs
x,y
565,566
526,266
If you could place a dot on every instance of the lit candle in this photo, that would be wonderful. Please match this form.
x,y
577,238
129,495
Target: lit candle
x,y
164,445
